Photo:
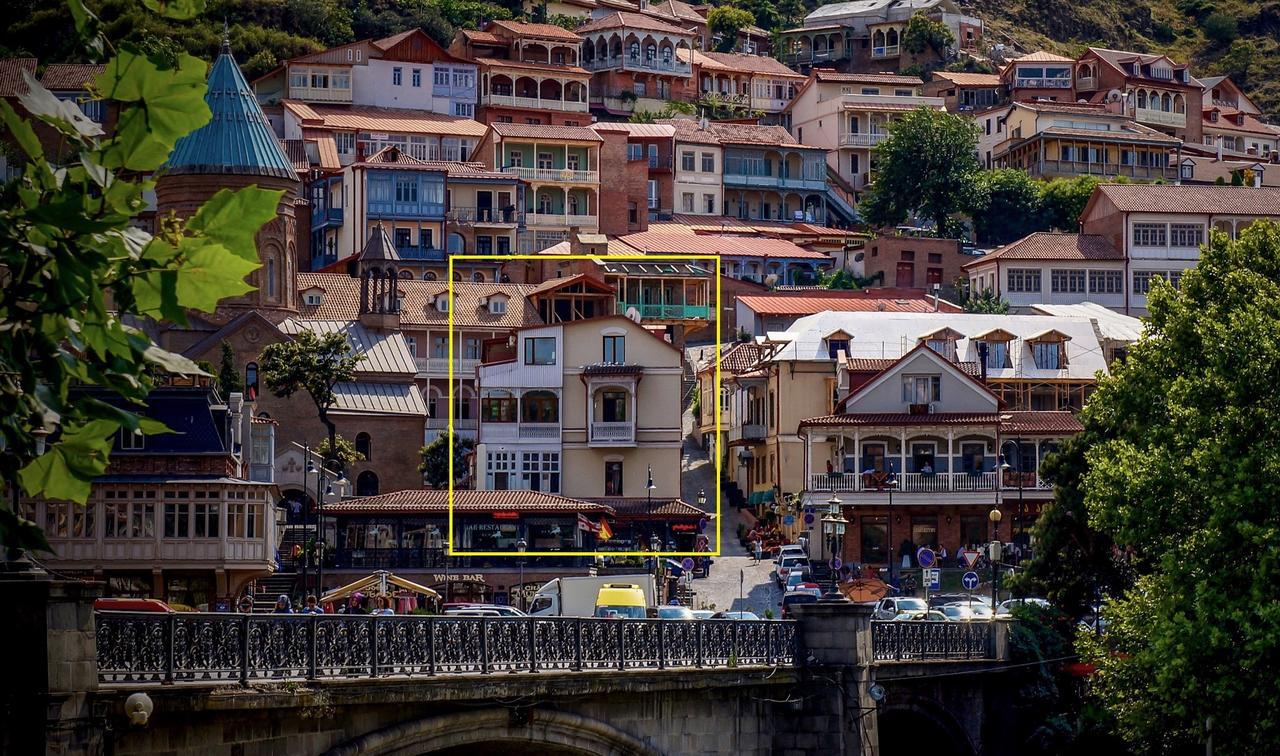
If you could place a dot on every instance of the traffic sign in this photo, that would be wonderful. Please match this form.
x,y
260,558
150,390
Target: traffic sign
x,y
970,557
925,557
702,524
836,563
808,519
969,580
932,579
687,563
789,520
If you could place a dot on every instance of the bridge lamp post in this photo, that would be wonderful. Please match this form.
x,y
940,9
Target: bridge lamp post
x,y
520,548
833,526
994,554
890,483
648,490
655,545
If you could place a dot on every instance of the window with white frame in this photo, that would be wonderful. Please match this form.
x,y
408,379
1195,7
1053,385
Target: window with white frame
x,y
1106,282
1186,235
686,161
1142,280
500,470
540,471
1067,281
441,77
464,109
1149,234
921,389
412,343
131,440
1024,280
708,162
653,194
515,159
686,202
397,76
498,305
415,77
345,141
997,354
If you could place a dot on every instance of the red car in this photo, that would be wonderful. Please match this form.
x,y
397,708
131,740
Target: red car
x,y
130,605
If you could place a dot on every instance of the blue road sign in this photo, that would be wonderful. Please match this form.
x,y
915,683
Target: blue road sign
x,y
808,519
969,581
789,520
932,579
687,563
836,563
702,524
926,558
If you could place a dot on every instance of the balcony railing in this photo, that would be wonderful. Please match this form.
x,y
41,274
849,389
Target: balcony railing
x,y
810,56
914,101
326,216
149,648
1086,83
1042,83
862,140
560,219
483,215
536,103
463,366
540,431
888,51
459,424
1159,117
320,94
635,63
816,183
907,482
666,311
917,641
564,175
1080,168
420,253
613,432
753,432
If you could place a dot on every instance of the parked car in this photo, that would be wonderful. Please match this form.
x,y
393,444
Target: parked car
x,y
791,549
703,614
797,577
788,563
942,599
468,612
796,597
501,609
736,616
131,605
933,615
891,606
976,611
1005,608
675,613
954,612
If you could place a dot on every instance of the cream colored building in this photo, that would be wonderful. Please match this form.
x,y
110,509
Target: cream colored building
x,y
698,181
587,409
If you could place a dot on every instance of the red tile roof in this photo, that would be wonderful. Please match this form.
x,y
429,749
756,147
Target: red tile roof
x,y
666,508
866,300
464,501
1171,198
546,31
1225,122
11,82
1047,245
742,63
70,76
394,120
1052,423
903,418
824,74
341,301
737,359
870,364
547,68
710,244
483,37
963,79
530,131
625,20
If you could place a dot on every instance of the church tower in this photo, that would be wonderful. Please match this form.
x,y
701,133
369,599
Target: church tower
x,y
379,274
235,149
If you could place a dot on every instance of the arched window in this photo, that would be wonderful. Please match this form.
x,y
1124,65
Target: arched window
x,y
573,204
271,277
478,277
539,407
544,203
633,50
364,444
429,276
251,380
666,56
367,483
457,244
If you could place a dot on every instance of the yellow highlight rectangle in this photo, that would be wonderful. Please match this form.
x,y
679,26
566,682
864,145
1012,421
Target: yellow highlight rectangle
x,y
715,272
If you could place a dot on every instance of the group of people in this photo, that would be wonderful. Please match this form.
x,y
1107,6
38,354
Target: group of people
x,y
357,604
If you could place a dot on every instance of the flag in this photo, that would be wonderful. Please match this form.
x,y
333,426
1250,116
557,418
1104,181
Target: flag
x,y
605,532
584,523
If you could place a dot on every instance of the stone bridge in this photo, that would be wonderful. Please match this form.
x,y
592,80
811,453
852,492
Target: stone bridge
x,y
270,684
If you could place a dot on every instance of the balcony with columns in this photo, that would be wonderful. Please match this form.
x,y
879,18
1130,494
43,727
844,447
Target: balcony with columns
x,y
510,85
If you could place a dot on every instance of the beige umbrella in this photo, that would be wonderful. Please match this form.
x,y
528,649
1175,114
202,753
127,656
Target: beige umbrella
x,y
377,584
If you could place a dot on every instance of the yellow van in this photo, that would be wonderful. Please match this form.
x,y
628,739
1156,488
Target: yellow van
x,y
623,600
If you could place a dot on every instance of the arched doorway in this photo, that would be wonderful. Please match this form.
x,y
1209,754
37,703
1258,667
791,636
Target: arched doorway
x,y
367,483
297,506
904,728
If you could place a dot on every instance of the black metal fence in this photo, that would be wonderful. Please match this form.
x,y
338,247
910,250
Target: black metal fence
x,y
144,647
912,640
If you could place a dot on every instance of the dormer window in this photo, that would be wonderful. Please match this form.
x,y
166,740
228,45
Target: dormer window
x,y
1049,349
996,344
921,389
313,296
943,342
442,302
837,342
498,305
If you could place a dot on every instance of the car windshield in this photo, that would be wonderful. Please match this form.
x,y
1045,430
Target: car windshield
x,y
799,598
912,605
954,611
980,611
792,561
741,615
675,612
628,612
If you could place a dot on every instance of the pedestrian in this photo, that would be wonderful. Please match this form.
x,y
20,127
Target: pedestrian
x,y
283,605
758,547
383,606
246,605
312,607
359,604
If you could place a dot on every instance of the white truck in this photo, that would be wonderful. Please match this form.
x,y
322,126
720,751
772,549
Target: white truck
x,y
576,596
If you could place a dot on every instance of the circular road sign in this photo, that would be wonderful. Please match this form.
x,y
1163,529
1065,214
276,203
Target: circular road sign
x,y
969,581
702,524
836,563
926,558
789,520
808,519
687,563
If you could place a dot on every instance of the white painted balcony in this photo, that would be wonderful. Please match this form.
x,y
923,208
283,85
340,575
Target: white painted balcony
x,y
915,101
564,175
907,482
1160,117
561,219
459,424
536,102
320,94
888,51
618,433
540,431
863,140
1042,83
462,367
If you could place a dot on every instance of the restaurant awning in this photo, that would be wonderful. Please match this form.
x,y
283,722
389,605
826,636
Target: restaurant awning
x,y
377,584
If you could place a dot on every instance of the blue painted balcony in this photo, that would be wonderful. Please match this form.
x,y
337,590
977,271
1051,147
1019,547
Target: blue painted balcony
x,y
325,217
414,252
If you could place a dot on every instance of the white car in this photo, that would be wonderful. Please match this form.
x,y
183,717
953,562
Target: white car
x,y
791,549
788,563
1006,607
955,613
890,607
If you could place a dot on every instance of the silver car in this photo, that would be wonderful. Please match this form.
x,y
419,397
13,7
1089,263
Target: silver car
x,y
890,607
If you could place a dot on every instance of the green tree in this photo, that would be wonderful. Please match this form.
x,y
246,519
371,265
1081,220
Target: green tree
x,y
1182,470
923,33
1063,200
435,459
326,20
927,167
790,13
342,459
1220,28
985,301
78,269
228,377
311,364
1005,206
725,22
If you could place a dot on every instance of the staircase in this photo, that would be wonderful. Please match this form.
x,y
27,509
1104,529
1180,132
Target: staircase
x,y
270,588
839,196
294,535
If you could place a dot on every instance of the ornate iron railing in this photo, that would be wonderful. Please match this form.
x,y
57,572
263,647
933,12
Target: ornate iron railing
x,y
143,647
911,640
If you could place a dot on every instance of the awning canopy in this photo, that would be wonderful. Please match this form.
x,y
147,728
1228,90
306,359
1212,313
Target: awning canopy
x,y
377,584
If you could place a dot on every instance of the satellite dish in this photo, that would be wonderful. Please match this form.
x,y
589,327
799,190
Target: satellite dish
x,y
1115,95
633,314
860,257
876,692
771,280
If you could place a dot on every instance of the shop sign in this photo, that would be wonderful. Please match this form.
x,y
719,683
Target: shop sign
x,y
684,527
506,515
460,578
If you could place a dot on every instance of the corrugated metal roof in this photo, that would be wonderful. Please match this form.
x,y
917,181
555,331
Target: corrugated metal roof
x,y
869,300
384,353
651,130
465,501
730,246
1110,324
379,398
392,120
238,139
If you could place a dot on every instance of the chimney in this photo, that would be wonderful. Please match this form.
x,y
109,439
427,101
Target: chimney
x,y
1219,141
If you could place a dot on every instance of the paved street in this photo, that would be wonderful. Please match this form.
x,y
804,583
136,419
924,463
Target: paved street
x,y
721,591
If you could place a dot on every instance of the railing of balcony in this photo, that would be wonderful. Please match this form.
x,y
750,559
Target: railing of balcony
x,y
537,103
209,648
888,51
542,431
613,432
1042,83
636,63
437,423
907,482
464,366
566,175
667,311
483,215
412,252
916,641
862,140
560,219
1161,117
753,432
1080,168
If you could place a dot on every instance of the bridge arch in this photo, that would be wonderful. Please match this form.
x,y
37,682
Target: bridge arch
x,y
556,731
905,723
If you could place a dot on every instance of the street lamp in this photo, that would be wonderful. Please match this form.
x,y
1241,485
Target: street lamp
x,y
890,483
341,485
520,547
833,526
648,490
655,545
994,553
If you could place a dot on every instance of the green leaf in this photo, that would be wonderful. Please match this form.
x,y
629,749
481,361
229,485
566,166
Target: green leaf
x,y
166,105
18,532
21,130
210,272
63,115
172,362
180,9
233,218
68,467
